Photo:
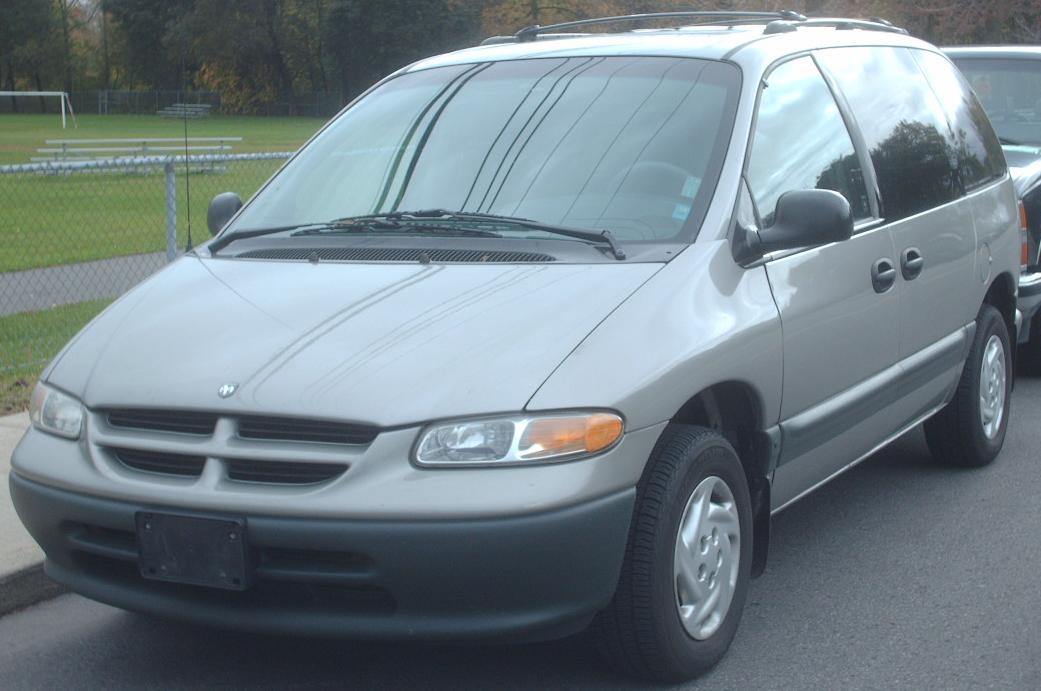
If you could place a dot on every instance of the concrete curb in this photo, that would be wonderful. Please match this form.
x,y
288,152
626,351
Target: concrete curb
x,y
22,579
26,587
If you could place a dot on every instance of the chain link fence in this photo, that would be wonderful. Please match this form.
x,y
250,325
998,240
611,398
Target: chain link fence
x,y
76,235
323,104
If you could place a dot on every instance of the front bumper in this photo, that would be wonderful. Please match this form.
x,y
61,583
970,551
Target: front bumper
x,y
1029,302
527,577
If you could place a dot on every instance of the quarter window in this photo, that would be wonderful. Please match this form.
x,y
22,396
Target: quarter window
x,y
801,142
904,126
976,147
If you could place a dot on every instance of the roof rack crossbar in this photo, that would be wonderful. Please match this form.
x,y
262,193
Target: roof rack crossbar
x,y
530,33
873,24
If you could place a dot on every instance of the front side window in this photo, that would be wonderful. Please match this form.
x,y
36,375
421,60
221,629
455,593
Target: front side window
x,y
801,142
904,126
633,145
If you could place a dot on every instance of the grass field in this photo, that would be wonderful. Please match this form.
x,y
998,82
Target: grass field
x,y
29,339
59,219
51,220
55,219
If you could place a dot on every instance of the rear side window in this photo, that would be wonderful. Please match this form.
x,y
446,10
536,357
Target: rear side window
x,y
976,147
801,142
904,126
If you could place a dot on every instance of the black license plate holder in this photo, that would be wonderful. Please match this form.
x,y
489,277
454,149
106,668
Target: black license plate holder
x,y
194,550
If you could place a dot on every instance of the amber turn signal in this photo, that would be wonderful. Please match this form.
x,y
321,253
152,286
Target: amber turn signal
x,y
570,435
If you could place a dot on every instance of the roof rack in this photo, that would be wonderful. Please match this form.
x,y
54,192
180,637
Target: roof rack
x,y
780,22
530,33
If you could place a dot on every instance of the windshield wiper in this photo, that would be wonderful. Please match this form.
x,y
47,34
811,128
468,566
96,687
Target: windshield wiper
x,y
439,221
228,238
359,224
382,226
603,237
1009,142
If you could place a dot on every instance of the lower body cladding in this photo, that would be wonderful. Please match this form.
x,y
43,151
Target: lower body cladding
x,y
525,577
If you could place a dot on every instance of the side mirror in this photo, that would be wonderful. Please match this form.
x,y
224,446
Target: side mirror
x,y
807,218
222,208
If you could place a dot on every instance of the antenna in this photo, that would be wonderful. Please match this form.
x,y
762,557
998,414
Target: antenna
x,y
187,183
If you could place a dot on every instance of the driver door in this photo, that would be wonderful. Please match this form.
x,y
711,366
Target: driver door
x,y
839,303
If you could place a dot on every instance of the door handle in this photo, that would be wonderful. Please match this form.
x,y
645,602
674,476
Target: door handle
x,y
911,263
883,275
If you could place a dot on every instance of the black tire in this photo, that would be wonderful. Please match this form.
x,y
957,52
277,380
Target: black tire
x,y
641,634
956,434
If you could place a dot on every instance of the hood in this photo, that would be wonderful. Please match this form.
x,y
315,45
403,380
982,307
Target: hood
x,y
1024,165
386,344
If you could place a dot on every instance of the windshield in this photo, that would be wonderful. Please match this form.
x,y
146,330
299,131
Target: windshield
x,y
627,144
1010,91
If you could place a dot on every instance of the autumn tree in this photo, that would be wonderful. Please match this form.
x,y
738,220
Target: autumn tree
x,y
24,25
371,38
259,52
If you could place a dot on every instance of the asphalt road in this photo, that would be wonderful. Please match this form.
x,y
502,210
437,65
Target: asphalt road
x,y
41,289
900,574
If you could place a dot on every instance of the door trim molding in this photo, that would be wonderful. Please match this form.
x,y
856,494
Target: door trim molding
x,y
830,418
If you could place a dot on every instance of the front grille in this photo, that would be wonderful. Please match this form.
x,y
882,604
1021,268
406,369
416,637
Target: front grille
x,y
183,422
284,473
393,254
181,465
102,541
239,470
291,429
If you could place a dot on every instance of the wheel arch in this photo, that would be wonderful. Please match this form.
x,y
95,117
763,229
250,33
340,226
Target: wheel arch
x,y
1002,296
735,409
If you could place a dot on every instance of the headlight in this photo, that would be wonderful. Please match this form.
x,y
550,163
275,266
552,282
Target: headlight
x,y
521,439
55,412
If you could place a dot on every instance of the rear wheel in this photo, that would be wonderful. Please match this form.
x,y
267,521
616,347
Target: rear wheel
x,y
970,431
687,566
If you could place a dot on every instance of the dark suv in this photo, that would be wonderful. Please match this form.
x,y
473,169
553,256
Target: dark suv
x,y
1007,80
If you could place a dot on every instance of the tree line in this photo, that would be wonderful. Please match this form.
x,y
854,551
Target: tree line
x,y
255,52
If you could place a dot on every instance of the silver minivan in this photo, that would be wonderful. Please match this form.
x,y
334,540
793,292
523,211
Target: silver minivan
x,y
535,337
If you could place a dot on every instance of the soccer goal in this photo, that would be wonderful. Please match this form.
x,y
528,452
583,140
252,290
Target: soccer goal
x,y
66,104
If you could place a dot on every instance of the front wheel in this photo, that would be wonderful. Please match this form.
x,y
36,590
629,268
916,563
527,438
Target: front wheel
x,y
688,561
970,431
